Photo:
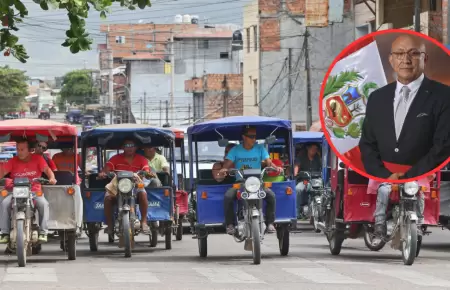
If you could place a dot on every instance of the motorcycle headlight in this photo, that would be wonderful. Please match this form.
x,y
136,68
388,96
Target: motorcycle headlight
x,y
411,188
317,182
252,184
21,192
125,185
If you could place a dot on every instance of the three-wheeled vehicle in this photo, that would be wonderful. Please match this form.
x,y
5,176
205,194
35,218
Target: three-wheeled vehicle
x,y
73,116
88,122
209,200
444,216
161,199
44,114
64,198
349,212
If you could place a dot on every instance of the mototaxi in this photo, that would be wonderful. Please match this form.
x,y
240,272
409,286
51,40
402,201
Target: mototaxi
x,y
209,194
444,215
160,200
349,213
88,122
64,198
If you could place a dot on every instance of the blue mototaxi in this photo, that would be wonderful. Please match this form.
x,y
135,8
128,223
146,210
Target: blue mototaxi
x,y
209,194
160,200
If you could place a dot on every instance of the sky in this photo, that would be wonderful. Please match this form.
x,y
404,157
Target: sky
x,y
43,31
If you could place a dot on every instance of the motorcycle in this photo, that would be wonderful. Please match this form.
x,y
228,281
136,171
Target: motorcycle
x,y
402,227
24,229
314,188
250,226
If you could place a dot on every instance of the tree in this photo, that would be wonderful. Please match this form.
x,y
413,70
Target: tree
x,y
13,89
78,85
14,11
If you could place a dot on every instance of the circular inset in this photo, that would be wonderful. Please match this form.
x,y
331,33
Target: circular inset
x,y
385,106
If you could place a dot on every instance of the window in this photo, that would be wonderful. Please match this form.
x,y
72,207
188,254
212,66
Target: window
x,y
433,5
120,39
255,38
248,39
224,55
255,91
203,44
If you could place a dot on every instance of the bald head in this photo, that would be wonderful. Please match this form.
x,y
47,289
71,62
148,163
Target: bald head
x,y
408,57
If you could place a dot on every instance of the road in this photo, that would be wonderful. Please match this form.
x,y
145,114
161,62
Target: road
x,y
309,265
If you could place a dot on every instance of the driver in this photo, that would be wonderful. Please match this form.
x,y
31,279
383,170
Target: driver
x,y
383,190
126,161
31,166
248,155
310,162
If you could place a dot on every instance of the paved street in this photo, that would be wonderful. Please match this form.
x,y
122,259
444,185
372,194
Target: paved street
x,y
308,266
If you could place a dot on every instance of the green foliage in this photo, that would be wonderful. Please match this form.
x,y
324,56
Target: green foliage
x,y
14,11
337,82
13,89
78,85
367,87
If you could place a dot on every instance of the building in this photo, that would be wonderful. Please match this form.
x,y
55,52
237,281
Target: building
x,y
216,96
276,43
146,51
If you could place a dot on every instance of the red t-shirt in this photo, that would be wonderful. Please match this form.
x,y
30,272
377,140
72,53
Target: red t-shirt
x,y
31,169
119,163
50,162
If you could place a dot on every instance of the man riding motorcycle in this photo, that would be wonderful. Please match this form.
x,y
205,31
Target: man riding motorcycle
x,y
309,162
126,161
30,166
383,190
248,155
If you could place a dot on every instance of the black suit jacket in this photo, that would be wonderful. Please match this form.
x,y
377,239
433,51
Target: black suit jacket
x,y
424,141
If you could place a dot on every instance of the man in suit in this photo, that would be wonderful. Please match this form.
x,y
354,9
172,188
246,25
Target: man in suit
x,y
406,129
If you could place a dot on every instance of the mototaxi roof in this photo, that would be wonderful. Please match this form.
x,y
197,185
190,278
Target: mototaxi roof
x,y
112,136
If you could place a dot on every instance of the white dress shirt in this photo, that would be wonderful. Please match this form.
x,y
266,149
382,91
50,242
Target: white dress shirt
x,y
414,88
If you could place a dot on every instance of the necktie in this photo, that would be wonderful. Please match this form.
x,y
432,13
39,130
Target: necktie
x,y
400,113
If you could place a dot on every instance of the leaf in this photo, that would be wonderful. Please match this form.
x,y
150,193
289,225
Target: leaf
x,y
354,130
75,47
367,87
339,132
103,15
335,83
44,5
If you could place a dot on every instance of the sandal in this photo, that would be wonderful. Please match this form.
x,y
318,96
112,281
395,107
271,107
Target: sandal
x,y
145,229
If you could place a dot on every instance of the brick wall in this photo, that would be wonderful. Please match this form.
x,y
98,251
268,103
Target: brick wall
x,y
435,25
297,7
444,21
193,85
270,34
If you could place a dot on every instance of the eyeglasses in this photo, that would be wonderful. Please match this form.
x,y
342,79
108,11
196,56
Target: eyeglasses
x,y
250,136
42,147
129,146
413,54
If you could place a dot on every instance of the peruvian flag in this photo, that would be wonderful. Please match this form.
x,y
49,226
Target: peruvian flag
x,y
350,82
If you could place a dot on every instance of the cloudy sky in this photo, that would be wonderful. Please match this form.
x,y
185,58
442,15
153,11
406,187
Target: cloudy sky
x,y
43,31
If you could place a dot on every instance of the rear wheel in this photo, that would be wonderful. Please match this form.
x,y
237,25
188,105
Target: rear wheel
x,y
372,242
168,237
179,230
334,236
203,246
20,244
93,240
153,238
256,238
283,239
72,246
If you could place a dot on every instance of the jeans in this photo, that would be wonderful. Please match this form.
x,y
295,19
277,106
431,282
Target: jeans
x,y
230,197
384,191
301,201
41,205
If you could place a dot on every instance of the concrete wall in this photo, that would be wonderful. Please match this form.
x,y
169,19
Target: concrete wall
x,y
324,46
251,60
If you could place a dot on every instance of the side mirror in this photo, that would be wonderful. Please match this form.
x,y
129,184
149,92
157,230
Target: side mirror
x,y
341,164
271,139
223,142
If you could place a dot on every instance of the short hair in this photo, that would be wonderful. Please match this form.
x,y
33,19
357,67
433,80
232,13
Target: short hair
x,y
247,129
23,140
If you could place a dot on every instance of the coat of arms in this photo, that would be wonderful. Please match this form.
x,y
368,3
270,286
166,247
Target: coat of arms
x,y
345,100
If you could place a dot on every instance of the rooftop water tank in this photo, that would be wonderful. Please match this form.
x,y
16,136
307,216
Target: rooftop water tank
x,y
194,19
178,18
186,18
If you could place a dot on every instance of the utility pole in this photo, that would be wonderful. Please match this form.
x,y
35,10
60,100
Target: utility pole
x,y
225,96
90,92
111,84
417,15
145,108
167,114
160,113
290,84
189,114
172,73
308,82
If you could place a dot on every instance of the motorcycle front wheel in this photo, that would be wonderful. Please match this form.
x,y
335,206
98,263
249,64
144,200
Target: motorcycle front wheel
x,y
409,245
256,237
126,233
314,216
20,244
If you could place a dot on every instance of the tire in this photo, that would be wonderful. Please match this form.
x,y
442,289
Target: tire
x,y
179,230
283,240
93,240
314,221
72,246
368,240
256,239
203,247
153,238
111,238
419,245
126,233
20,244
409,248
168,237
335,238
